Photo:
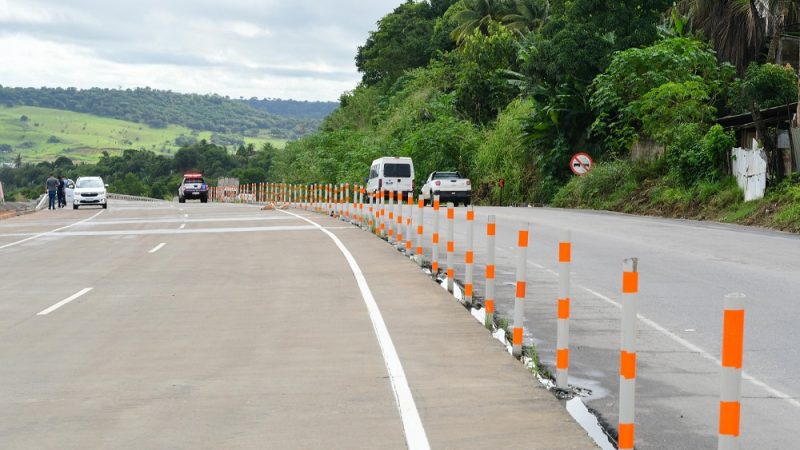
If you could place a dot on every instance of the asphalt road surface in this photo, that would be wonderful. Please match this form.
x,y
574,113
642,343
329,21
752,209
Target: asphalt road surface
x,y
159,325
686,268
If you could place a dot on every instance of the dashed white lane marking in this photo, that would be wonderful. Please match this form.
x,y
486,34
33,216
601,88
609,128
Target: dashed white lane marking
x,y
158,231
695,349
35,236
63,302
183,225
412,424
185,215
157,247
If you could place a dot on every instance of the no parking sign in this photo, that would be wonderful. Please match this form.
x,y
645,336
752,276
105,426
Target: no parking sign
x,y
581,164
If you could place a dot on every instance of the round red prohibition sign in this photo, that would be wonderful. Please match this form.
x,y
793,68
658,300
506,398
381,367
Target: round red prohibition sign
x,y
581,164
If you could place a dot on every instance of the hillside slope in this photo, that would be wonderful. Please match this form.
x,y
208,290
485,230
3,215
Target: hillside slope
x,y
39,134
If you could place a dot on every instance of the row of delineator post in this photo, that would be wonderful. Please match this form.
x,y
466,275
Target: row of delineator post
x,y
385,217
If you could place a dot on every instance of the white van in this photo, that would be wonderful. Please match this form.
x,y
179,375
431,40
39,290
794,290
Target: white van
x,y
392,173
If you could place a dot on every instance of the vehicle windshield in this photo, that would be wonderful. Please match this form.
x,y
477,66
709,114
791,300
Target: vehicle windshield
x,y
90,183
397,170
194,180
446,175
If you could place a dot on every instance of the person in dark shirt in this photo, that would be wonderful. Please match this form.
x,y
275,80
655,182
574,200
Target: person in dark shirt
x,y
52,190
62,198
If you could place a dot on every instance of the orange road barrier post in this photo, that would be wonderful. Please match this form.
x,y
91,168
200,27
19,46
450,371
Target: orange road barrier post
x,y
371,210
381,225
469,256
491,230
562,340
336,204
400,206
451,246
519,302
361,216
627,365
390,231
420,228
730,402
347,211
435,238
409,223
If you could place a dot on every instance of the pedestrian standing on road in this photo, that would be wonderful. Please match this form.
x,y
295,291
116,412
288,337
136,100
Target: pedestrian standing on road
x,y
62,198
52,190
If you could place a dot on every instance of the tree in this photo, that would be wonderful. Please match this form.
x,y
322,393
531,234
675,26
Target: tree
x,y
478,14
530,15
401,42
737,28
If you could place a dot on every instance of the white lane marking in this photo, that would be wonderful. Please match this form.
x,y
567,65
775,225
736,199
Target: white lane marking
x,y
157,247
695,349
185,215
158,231
183,225
63,302
412,424
48,232
183,219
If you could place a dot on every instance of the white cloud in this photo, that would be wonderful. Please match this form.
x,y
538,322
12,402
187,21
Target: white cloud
x,y
302,49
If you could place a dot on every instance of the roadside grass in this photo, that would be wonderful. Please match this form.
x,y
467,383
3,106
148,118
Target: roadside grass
x,y
648,189
50,133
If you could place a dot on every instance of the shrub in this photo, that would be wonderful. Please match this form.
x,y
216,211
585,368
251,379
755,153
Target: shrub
x,y
695,157
765,86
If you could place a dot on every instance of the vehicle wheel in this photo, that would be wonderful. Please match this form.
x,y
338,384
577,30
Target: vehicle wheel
x,y
105,205
181,200
203,199
74,206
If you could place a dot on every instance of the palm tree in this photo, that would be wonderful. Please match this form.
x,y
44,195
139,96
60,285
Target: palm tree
x,y
529,16
477,14
740,29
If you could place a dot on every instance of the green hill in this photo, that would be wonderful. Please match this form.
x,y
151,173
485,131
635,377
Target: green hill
x,y
159,109
40,134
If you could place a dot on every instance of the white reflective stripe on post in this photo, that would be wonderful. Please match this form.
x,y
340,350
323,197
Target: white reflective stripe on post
x,y
491,230
563,306
730,401
627,366
451,246
409,222
519,298
420,227
435,238
469,256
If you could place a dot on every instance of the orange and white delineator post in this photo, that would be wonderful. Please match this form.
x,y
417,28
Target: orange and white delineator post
x,y
562,340
420,227
627,364
347,211
380,226
730,402
435,238
469,256
371,212
451,246
491,230
519,300
390,231
409,222
400,206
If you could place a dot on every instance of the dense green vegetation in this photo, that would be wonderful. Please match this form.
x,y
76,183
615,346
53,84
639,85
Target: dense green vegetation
x,y
40,134
511,89
293,108
159,109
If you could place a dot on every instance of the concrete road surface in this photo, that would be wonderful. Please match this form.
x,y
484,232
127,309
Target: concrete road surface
x,y
159,325
686,268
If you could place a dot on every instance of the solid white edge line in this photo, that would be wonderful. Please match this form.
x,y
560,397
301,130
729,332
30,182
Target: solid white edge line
x,y
695,349
48,232
63,302
157,247
412,424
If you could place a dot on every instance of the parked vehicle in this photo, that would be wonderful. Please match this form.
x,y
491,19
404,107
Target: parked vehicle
x,y
69,191
89,191
449,186
193,187
392,173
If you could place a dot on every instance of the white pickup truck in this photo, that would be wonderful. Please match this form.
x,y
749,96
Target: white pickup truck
x,y
449,186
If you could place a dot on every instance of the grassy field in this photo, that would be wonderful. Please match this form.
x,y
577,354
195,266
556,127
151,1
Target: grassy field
x,y
50,133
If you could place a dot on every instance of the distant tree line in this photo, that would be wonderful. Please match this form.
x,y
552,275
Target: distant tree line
x,y
293,108
144,173
159,109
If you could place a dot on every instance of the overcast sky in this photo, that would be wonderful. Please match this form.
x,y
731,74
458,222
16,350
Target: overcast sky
x,y
299,49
